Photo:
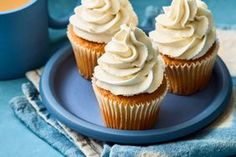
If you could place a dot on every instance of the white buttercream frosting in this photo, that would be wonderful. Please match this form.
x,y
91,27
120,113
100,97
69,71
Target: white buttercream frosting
x,y
130,65
99,20
185,30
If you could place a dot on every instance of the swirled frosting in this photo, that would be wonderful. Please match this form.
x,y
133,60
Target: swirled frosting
x,y
130,65
185,30
99,20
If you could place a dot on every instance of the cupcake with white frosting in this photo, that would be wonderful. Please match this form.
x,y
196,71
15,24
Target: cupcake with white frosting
x,y
129,81
93,25
186,38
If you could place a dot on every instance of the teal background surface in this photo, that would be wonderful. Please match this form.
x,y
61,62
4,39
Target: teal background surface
x,y
15,138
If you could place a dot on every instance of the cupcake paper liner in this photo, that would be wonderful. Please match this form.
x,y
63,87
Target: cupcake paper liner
x,y
188,78
86,59
129,117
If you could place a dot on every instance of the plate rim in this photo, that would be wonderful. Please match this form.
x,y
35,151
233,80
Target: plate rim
x,y
126,136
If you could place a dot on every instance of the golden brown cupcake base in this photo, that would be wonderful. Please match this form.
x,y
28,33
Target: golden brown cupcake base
x,y
86,53
189,76
137,112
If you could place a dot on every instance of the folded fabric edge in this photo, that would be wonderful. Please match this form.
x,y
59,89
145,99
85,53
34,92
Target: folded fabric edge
x,y
27,115
88,146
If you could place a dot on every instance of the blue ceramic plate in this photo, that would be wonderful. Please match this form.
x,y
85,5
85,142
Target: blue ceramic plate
x,y
71,100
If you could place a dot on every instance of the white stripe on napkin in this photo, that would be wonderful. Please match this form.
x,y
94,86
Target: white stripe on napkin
x,y
228,48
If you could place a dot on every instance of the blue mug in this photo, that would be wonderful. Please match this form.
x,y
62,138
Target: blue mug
x,y
24,38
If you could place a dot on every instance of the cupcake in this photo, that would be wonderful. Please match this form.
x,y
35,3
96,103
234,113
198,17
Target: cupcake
x,y
186,38
129,81
92,26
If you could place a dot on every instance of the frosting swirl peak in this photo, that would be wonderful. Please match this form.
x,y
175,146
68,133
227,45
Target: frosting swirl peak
x,y
130,65
185,30
99,20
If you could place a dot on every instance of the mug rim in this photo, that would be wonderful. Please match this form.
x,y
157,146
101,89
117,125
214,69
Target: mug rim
x,y
18,9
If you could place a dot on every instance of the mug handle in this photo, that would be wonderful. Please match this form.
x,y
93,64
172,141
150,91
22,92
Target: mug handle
x,y
58,23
